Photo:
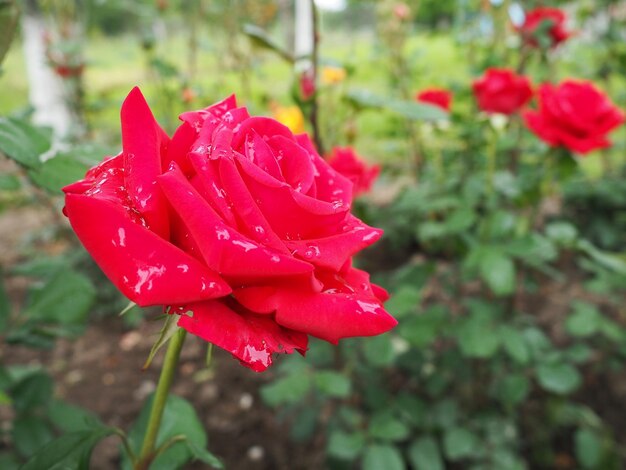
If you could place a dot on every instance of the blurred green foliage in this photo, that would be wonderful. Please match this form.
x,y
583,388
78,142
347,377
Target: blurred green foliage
x,y
505,259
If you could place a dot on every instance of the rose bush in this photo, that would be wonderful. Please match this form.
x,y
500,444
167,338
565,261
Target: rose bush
x,y
234,224
544,22
502,91
575,115
347,163
436,96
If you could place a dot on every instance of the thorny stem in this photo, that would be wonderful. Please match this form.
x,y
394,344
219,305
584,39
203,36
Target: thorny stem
x,y
147,454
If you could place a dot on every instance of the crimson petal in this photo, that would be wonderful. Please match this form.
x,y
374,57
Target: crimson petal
x,y
142,141
250,338
146,268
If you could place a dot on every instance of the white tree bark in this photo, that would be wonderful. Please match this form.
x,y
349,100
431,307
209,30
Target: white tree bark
x,y
45,88
303,34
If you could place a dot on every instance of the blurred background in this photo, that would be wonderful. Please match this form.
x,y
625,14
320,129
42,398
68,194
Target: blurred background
x,y
505,257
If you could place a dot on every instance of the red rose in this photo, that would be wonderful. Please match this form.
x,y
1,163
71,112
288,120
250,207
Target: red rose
x,y
437,96
307,85
235,224
574,114
502,91
554,21
347,163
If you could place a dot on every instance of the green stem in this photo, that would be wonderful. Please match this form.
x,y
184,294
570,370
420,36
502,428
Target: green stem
x,y
147,453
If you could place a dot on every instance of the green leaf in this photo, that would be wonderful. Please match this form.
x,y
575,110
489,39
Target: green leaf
x,y
289,389
588,447
478,337
23,142
33,391
610,261
514,344
403,302
459,443
179,418
69,452
9,182
30,434
365,98
512,389
332,383
408,109
9,461
170,326
203,455
65,299
71,418
345,446
498,271
64,168
445,413
584,321
424,454
379,351
386,427
420,330
261,38
558,378
416,111
378,456
563,233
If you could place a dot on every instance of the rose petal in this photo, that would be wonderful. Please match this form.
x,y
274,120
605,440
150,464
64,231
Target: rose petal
x,y
333,316
224,248
250,338
142,141
146,268
251,220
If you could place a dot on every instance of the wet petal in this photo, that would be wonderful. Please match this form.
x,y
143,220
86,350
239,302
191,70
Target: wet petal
x,y
250,338
295,163
332,317
146,268
142,141
179,147
332,252
225,249
252,222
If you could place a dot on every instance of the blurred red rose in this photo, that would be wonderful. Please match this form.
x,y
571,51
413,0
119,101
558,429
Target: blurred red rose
x,y
502,91
437,96
575,115
549,22
347,163
307,84
236,225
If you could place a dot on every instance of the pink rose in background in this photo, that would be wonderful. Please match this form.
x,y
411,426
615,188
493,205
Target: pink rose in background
x,y
236,225
555,19
502,91
436,96
346,162
575,115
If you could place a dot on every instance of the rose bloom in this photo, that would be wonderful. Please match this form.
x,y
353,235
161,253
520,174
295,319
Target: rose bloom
x,y
235,225
502,91
535,18
347,163
290,116
436,96
575,115
307,84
